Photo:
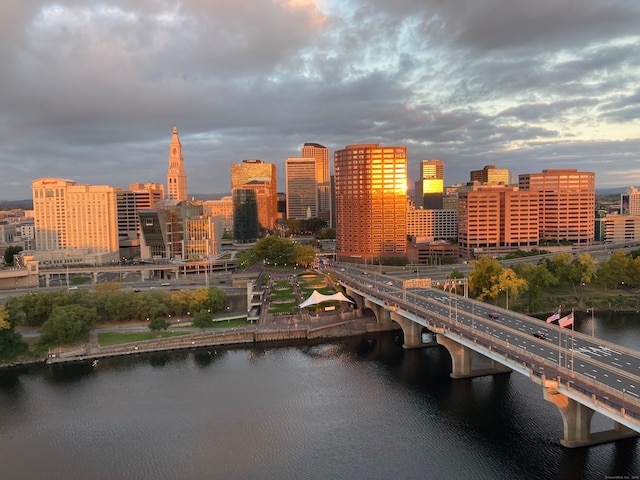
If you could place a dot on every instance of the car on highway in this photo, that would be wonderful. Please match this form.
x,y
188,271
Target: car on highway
x,y
191,283
493,315
390,283
540,335
166,284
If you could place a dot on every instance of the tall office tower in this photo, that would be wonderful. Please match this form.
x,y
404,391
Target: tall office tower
x,y
245,215
176,178
429,189
371,202
302,188
495,220
566,203
248,170
129,202
263,201
490,175
630,202
68,215
321,154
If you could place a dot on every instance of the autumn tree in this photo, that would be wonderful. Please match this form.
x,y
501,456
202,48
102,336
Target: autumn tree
x,y
484,276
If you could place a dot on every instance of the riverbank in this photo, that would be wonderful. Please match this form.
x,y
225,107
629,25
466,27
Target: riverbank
x,y
333,326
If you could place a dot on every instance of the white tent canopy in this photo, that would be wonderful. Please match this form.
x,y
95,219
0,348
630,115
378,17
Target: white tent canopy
x,y
317,297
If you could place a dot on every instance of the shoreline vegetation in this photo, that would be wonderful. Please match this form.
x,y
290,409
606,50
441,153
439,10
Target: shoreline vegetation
x,y
566,282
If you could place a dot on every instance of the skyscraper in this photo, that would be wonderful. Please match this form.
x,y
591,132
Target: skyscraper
x,y
371,201
566,203
248,170
490,175
496,219
72,216
302,188
323,179
429,189
176,177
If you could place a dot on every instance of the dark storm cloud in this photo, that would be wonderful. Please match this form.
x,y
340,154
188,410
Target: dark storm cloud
x,y
91,91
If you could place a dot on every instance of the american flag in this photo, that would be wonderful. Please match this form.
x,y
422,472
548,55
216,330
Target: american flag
x,y
566,320
555,316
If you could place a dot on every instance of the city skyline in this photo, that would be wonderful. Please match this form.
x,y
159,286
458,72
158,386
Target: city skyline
x,y
91,93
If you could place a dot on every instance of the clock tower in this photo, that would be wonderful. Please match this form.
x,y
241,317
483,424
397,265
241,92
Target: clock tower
x,y
176,178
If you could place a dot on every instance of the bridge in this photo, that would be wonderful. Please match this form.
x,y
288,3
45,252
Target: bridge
x,y
578,373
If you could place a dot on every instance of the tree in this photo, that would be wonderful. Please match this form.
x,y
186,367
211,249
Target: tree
x,y
484,276
615,271
303,254
67,324
509,283
157,324
577,271
10,252
327,234
203,319
537,277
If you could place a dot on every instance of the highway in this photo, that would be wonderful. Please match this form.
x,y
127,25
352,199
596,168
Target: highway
x,y
588,358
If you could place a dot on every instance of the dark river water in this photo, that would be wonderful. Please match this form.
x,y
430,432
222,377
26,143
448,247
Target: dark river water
x,y
355,408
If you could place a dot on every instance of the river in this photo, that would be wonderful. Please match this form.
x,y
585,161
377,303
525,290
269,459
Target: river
x,y
353,408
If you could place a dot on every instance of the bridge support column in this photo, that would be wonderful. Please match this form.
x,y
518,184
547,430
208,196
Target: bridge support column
x,y
576,419
47,280
383,316
412,331
462,360
355,297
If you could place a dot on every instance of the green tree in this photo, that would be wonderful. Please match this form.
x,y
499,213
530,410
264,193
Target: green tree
x,y
327,234
10,252
303,254
157,324
614,272
578,272
203,319
538,277
67,324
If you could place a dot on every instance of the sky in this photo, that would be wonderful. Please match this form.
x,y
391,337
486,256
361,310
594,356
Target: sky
x,y
90,91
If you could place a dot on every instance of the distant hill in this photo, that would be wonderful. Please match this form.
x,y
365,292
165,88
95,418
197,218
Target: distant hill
x,y
11,204
611,191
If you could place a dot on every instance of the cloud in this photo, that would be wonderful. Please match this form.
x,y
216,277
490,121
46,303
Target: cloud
x,y
92,91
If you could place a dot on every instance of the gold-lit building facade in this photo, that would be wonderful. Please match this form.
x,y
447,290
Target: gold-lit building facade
x,y
371,202
70,216
248,170
176,176
566,203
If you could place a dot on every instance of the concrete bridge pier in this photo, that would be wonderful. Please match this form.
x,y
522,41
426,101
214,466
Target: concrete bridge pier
x,y
462,360
383,316
356,297
576,419
412,331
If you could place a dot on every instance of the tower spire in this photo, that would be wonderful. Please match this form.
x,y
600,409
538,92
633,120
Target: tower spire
x,y
176,177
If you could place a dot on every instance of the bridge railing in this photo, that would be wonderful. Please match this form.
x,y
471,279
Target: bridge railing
x,y
537,366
